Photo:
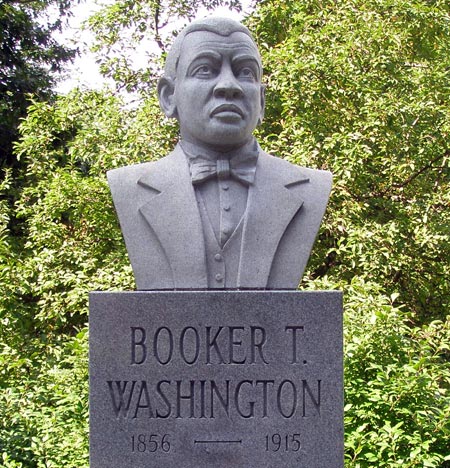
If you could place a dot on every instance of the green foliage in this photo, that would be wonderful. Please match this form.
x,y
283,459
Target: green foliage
x,y
397,382
43,418
362,88
29,57
398,400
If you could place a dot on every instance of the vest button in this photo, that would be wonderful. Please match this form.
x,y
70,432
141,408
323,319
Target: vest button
x,y
219,278
218,258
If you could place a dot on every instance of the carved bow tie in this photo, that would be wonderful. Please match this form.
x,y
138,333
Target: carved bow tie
x,y
241,167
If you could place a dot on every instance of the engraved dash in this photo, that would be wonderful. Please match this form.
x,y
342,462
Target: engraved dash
x,y
217,441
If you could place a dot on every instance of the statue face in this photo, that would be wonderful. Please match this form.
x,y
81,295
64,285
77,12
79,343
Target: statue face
x,y
218,94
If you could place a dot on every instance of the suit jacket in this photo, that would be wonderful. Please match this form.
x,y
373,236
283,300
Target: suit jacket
x,y
161,224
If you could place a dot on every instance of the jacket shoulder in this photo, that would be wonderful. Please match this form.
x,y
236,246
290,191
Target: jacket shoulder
x,y
129,173
318,177
154,174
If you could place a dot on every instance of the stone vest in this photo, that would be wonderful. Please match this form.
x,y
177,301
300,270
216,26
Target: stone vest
x,y
222,263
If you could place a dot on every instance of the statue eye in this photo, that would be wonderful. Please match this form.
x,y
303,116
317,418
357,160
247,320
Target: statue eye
x,y
203,71
246,73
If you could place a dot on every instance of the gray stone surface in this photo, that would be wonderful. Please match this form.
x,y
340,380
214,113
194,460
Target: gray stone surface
x,y
218,212
264,371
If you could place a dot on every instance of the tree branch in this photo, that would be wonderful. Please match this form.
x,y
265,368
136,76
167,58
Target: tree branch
x,y
157,27
421,171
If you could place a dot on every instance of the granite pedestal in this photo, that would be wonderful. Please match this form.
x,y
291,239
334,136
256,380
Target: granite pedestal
x,y
230,379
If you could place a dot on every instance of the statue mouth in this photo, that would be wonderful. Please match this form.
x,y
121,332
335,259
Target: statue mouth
x,y
227,110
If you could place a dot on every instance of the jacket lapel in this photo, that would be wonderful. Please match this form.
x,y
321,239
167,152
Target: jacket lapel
x,y
271,206
172,212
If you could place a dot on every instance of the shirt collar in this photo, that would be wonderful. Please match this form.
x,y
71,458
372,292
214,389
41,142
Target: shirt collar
x,y
192,150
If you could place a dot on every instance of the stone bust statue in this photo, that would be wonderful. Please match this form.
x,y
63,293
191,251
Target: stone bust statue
x,y
217,212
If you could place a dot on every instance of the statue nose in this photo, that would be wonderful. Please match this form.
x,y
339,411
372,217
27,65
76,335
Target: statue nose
x,y
228,86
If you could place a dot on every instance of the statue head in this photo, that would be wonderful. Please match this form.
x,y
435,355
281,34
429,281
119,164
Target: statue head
x,y
212,84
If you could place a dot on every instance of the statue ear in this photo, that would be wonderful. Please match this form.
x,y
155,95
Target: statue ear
x,y
166,94
263,102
